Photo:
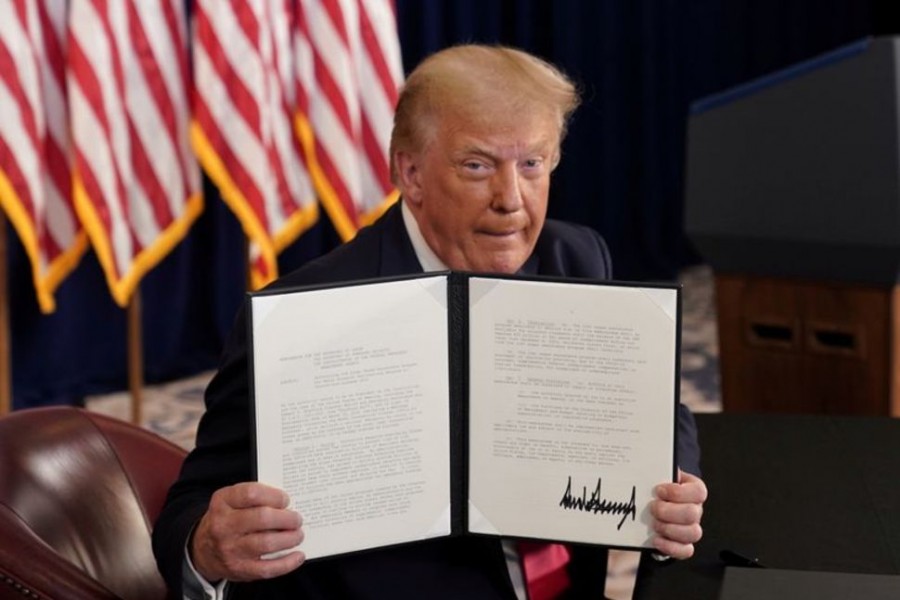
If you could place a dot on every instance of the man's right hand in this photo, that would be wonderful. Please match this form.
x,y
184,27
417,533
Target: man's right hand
x,y
244,522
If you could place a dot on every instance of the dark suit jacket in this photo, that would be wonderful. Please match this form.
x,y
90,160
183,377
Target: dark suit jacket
x,y
467,567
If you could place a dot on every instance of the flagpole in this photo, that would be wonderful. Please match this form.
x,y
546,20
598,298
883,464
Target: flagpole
x,y
5,363
135,356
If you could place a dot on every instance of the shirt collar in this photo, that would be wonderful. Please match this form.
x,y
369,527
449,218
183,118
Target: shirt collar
x,y
426,256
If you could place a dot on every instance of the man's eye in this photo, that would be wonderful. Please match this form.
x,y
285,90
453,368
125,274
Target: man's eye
x,y
473,166
533,163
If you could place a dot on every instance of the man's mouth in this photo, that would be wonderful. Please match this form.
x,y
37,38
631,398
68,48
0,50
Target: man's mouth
x,y
499,233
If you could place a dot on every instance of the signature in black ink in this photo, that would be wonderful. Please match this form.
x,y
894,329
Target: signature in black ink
x,y
596,503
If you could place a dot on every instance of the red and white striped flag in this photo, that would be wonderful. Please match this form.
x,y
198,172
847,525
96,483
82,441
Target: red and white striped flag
x,y
245,99
357,70
35,183
137,188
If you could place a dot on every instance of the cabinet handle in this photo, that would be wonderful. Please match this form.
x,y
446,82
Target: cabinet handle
x,y
771,334
826,339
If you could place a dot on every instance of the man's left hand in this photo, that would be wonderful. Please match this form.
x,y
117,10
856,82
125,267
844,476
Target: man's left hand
x,y
677,512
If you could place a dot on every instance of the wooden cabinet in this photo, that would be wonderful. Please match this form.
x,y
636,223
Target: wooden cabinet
x,y
791,346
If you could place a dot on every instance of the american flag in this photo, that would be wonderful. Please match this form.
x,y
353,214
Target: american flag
x,y
35,183
357,71
245,98
329,67
136,182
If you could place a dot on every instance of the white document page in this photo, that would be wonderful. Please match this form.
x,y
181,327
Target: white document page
x,y
572,408
351,399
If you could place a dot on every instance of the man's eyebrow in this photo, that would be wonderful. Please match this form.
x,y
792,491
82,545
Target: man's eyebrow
x,y
467,150
538,147
541,145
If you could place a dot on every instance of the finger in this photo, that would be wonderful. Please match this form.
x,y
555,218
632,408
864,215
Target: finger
x,y
275,567
265,518
692,492
680,514
689,490
264,568
232,524
684,478
251,494
672,548
683,534
256,545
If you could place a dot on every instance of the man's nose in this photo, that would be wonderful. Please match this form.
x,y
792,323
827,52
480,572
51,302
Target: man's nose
x,y
507,191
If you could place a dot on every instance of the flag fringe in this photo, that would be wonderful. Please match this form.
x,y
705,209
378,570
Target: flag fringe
x,y
343,222
46,283
122,287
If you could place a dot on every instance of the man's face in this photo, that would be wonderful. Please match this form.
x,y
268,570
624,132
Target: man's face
x,y
479,192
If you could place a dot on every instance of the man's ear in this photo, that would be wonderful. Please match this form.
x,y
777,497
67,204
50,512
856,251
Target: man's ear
x,y
408,176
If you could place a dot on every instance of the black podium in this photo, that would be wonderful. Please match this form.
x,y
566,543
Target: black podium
x,y
793,197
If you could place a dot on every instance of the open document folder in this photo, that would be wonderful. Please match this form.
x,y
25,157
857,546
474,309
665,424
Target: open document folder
x,y
399,410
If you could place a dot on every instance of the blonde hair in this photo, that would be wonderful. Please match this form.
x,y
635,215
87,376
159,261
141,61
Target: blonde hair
x,y
481,83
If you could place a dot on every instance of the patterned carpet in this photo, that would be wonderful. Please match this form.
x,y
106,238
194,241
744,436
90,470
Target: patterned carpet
x,y
173,409
699,342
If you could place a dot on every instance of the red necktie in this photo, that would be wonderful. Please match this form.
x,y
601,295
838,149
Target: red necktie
x,y
544,567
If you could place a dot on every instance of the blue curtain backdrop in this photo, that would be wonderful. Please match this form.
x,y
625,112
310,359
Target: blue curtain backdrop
x,y
639,62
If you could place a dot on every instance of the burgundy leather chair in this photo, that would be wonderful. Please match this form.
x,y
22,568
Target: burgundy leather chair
x,y
79,493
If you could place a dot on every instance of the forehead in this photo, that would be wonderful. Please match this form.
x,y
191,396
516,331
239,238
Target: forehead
x,y
521,132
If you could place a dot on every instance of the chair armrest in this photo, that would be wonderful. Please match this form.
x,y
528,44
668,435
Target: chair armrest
x,y
35,570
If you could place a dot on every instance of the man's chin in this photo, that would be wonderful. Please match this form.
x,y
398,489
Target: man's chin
x,y
505,263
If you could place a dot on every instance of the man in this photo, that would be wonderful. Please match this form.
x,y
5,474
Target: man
x,y
476,136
